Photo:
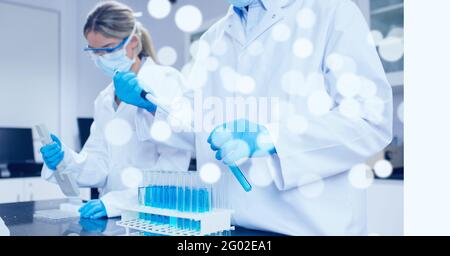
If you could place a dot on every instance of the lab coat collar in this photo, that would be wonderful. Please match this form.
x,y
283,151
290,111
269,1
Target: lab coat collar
x,y
274,14
233,26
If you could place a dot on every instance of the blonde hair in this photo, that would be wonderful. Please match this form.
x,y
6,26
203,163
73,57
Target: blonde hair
x,y
116,20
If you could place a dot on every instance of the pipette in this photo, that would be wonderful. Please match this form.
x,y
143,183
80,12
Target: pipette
x,y
65,180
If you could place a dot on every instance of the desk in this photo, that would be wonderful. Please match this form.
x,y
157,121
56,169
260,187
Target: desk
x,y
19,219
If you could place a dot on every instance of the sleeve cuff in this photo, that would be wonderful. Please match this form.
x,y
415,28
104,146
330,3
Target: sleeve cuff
x,y
178,140
115,201
4,231
69,158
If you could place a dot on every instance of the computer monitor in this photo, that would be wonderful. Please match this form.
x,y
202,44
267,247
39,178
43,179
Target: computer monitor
x,y
16,145
84,129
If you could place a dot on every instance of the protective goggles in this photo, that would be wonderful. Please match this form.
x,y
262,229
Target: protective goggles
x,y
106,50
111,49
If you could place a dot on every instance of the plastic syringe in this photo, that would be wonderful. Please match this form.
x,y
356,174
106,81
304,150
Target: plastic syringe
x,y
237,172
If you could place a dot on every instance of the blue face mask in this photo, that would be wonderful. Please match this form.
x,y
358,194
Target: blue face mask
x,y
116,61
240,3
112,62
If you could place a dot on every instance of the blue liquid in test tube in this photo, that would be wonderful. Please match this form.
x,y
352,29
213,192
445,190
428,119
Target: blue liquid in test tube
x,y
195,208
173,204
187,207
240,177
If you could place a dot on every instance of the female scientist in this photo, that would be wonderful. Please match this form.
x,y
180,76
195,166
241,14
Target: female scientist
x,y
119,45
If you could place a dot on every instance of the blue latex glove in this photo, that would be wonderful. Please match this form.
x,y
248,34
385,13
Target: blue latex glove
x,y
240,139
127,89
94,209
53,153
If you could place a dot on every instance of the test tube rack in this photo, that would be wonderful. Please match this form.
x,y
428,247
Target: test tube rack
x,y
177,204
216,221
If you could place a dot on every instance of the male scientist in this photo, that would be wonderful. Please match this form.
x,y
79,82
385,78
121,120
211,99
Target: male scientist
x,y
335,111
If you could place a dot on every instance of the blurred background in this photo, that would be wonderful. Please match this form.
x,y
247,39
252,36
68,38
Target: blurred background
x,y
47,78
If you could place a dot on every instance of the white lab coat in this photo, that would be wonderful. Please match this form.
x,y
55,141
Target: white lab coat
x,y
319,158
4,231
100,163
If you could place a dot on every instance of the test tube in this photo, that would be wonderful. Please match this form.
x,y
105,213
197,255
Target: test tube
x,y
172,198
188,200
196,198
240,177
141,201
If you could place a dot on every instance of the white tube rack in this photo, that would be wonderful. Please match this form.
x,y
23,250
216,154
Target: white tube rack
x,y
217,220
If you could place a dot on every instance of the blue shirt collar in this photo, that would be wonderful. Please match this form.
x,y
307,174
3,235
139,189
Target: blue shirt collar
x,y
242,11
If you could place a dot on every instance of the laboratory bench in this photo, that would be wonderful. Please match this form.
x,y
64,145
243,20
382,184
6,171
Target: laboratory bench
x,y
20,221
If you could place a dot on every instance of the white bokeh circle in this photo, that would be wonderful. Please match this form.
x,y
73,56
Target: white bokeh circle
x,y
131,177
375,37
281,32
349,85
186,69
167,56
245,84
314,82
200,50
159,9
319,103
391,49
350,108
306,18
160,131
228,77
383,169
188,18
256,48
210,173
118,132
361,176
303,48
368,88
335,62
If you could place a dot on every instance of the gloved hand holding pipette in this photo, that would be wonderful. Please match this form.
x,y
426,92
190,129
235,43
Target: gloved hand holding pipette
x,y
128,90
52,154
